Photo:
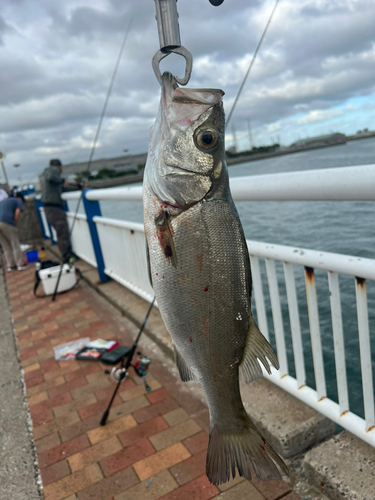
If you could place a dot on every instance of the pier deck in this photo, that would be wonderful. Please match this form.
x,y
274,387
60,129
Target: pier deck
x,y
154,444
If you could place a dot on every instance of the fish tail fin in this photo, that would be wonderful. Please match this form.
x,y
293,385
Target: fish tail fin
x,y
244,450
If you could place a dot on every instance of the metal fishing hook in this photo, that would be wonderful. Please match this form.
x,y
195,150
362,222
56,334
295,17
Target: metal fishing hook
x,y
178,50
169,38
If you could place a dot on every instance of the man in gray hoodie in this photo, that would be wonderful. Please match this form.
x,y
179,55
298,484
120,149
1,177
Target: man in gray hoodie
x,y
52,187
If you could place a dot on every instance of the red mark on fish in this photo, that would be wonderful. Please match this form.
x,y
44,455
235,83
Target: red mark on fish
x,y
200,261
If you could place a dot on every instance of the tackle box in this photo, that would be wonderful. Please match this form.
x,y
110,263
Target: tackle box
x,y
49,277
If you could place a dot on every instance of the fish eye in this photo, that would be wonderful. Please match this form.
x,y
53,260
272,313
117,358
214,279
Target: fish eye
x,y
206,138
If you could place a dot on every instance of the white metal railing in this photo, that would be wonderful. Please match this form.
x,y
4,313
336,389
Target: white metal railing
x,y
81,238
123,247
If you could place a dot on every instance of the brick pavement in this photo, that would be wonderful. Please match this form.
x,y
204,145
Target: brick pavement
x,y
154,444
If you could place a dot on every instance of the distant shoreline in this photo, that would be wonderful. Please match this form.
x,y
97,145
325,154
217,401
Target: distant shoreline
x,y
247,158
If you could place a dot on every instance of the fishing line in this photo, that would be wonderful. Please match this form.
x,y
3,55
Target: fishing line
x,y
109,91
251,64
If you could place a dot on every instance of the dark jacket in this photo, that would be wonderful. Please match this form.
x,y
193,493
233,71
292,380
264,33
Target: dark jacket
x,y
52,187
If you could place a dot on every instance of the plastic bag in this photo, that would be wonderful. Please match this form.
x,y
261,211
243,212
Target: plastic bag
x,y
68,351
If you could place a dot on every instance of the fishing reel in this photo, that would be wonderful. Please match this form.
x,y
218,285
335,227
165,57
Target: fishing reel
x,y
140,367
119,373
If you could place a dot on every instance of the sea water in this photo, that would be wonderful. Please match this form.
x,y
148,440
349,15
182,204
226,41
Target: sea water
x,y
339,227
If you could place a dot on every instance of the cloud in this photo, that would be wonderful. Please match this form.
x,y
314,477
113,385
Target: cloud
x,y
315,70
319,115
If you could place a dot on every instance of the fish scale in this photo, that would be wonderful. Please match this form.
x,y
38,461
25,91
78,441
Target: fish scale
x,y
200,271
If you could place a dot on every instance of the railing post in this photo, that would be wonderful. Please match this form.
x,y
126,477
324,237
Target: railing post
x,y
92,209
39,204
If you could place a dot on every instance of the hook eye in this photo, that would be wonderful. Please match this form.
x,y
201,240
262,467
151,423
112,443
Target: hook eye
x,y
177,50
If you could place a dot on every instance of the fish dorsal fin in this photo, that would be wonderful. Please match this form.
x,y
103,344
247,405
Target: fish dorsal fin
x,y
256,348
186,373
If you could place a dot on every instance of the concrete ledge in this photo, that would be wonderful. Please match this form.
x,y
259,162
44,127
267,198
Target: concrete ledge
x,y
289,425
342,468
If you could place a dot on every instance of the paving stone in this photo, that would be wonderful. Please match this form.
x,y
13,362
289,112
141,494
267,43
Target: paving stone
x,y
61,399
94,453
156,409
48,442
128,407
71,387
117,483
55,472
63,450
111,428
161,484
291,496
126,457
271,490
107,392
232,482
73,483
199,489
42,416
145,430
82,372
162,460
176,416
74,405
80,427
197,443
189,469
138,390
91,388
97,407
158,395
45,386
55,425
243,491
70,366
174,434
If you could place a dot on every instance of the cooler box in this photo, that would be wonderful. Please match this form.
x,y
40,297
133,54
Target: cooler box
x,y
49,278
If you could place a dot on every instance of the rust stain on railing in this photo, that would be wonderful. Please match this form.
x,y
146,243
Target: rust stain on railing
x,y
361,282
309,273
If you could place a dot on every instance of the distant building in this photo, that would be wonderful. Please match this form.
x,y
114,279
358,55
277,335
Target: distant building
x,y
319,141
126,162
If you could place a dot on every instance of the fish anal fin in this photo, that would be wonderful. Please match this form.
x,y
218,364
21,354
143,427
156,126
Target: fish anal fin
x,y
244,451
257,348
186,373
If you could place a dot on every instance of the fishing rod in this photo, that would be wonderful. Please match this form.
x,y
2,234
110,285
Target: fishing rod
x,y
251,64
122,372
109,91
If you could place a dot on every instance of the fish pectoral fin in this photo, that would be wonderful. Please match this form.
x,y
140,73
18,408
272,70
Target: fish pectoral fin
x,y
186,373
256,348
243,450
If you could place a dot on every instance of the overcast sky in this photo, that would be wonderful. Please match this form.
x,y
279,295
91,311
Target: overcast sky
x,y
315,72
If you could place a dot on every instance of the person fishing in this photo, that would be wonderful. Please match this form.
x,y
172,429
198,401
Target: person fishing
x,y
53,184
10,212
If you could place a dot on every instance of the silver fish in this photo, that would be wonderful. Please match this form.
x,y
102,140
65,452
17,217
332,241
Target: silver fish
x,y
200,271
